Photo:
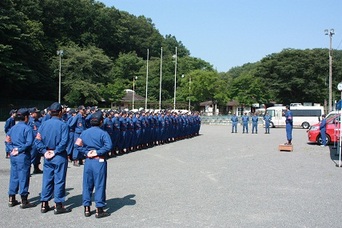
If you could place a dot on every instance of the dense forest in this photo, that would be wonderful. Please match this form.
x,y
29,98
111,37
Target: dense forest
x,y
105,49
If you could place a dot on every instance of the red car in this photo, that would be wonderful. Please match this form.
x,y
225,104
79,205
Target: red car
x,y
332,130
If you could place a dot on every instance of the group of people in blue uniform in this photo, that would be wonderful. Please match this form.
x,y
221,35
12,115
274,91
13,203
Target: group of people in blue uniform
x,y
82,134
245,122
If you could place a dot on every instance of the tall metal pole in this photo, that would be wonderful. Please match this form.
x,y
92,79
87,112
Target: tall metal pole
x,y
161,75
60,54
133,94
189,92
148,56
330,33
175,86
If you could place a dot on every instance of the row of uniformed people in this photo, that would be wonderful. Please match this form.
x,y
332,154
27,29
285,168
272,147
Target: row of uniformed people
x,y
245,120
51,141
131,131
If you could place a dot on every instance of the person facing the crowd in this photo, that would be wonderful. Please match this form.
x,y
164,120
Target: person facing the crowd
x,y
10,122
322,128
19,141
255,123
235,121
95,144
245,120
289,125
267,118
51,141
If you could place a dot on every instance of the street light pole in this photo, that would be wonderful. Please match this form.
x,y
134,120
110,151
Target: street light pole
x,y
148,56
60,54
133,95
330,33
175,86
160,76
189,92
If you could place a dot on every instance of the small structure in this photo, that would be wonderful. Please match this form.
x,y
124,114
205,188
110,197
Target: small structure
x,y
127,100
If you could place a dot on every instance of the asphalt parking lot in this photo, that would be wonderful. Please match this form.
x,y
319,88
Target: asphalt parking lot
x,y
217,179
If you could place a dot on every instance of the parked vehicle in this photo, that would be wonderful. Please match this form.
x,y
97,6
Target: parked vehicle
x,y
332,130
303,116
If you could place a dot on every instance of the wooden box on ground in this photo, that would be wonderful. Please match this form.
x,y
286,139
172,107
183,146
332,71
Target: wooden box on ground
x,y
283,147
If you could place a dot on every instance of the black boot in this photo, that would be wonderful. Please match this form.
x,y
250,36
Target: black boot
x,y
36,170
45,207
100,213
59,209
25,203
12,201
87,212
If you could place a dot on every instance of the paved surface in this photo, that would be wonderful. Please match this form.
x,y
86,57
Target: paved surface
x,y
217,179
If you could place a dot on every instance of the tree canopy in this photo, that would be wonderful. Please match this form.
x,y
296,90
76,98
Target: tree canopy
x,y
105,48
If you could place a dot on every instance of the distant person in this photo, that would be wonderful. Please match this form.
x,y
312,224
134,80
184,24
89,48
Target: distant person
x,y
289,125
322,128
245,120
235,121
267,119
255,123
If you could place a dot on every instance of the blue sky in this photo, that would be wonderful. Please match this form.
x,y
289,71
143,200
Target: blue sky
x,y
229,33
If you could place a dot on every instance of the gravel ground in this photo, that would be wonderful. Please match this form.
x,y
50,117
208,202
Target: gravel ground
x,y
217,179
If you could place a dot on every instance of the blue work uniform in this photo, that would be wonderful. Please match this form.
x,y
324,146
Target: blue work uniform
x,y
34,124
322,128
245,120
53,135
10,122
77,122
289,125
235,121
20,136
255,124
267,119
95,169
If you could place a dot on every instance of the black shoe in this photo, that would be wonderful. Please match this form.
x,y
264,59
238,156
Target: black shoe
x,y
37,171
45,207
87,212
59,209
12,201
100,213
27,205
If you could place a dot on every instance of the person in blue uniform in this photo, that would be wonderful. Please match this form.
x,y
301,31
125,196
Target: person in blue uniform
x,y
245,120
78,123
34,123
10,122
267,118
19,141
235,121
255,123
289,125
70,148
95,144
322,128
51,141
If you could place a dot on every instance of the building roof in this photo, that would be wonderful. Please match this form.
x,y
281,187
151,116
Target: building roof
x,y
129,96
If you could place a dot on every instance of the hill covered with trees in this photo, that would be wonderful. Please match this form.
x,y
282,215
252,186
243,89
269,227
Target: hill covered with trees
x,y
105,48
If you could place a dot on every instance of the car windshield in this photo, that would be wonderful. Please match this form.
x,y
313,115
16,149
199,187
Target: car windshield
x,y
334,119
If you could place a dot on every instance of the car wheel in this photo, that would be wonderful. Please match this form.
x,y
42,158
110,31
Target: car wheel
x,y
305,125
271,125
319,139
